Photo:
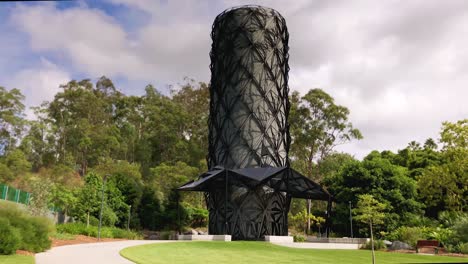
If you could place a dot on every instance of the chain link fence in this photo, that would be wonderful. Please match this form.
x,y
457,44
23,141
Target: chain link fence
x,y
14,195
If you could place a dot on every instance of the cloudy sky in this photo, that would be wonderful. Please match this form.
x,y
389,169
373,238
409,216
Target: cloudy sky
x,y
401,67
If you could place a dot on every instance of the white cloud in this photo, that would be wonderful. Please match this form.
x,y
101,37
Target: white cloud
x,y
39,84
400,67
97,45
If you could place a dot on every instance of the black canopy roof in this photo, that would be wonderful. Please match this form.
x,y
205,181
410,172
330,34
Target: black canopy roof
x,y
283,179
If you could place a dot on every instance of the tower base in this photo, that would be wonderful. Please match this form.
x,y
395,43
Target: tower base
x,y
251,214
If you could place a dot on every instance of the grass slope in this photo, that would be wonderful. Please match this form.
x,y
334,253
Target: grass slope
x,y
16,259
261,252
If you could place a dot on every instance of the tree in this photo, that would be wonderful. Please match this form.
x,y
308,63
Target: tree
x,y
17,162
11,118
444,186
151,211
6,176
387,182
88,199
369,211
194,98
166,178
40,196
89,202
63,198
128,180
333,163
301,220
318,125
82,120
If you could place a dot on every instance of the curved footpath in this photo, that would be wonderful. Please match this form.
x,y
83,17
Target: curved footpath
x,y
91,253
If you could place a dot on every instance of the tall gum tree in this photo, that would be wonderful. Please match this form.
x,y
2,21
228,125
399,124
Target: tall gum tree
x,y
317,126
11,118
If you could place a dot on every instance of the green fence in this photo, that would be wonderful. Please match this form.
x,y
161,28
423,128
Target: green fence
x,y
14,195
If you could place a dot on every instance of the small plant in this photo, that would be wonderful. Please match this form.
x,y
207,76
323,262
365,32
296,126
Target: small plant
x,y
301,219
378,245
299,238
370,211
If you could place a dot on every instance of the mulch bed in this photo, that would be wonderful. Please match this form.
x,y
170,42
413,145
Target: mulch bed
x,y
24,253
80,239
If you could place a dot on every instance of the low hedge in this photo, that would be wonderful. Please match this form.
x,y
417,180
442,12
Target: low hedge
x,y
106,232
11,238
33,232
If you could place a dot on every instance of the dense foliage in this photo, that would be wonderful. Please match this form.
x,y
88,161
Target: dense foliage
x,y
19,230
106,232
93,139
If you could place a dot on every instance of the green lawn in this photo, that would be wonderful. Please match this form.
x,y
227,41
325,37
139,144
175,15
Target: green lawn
x,y
261,252
16,259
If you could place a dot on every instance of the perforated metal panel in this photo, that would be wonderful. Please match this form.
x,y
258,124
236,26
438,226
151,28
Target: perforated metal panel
x,y
249,89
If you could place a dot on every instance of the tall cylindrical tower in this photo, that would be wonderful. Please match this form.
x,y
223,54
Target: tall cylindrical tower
x,y
249,184
248,126
249,89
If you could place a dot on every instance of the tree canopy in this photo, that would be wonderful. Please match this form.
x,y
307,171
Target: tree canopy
x,y
149,144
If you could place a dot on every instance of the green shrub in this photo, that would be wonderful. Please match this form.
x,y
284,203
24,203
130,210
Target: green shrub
x,y
34,231
463,248
109,218
72,228
122,233
63,236
94,221
378,245
37,240
166,235
461,229
299,238
197,217
106,232
409,235
10,237
444,235
92,231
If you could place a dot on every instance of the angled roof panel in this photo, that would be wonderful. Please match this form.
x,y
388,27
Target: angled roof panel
x,y
281,179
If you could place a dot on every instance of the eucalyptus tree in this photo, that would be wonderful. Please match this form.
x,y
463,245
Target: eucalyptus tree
x,y
12,120
318,125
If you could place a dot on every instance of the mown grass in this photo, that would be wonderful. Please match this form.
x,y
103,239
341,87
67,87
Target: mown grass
x,y
16,259
261,252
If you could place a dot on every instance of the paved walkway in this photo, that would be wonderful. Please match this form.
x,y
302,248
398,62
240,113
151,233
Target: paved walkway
x,y
92,253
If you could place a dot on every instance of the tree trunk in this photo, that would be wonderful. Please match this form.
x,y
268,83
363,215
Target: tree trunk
x,y
309,202
372,242
87,221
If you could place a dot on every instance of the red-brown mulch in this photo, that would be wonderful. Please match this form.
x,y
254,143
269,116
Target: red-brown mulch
x,y
80,239
24,253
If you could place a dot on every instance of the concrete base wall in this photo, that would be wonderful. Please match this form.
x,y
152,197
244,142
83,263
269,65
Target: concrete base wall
x,y
279,239
320,245
204,237
341,240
